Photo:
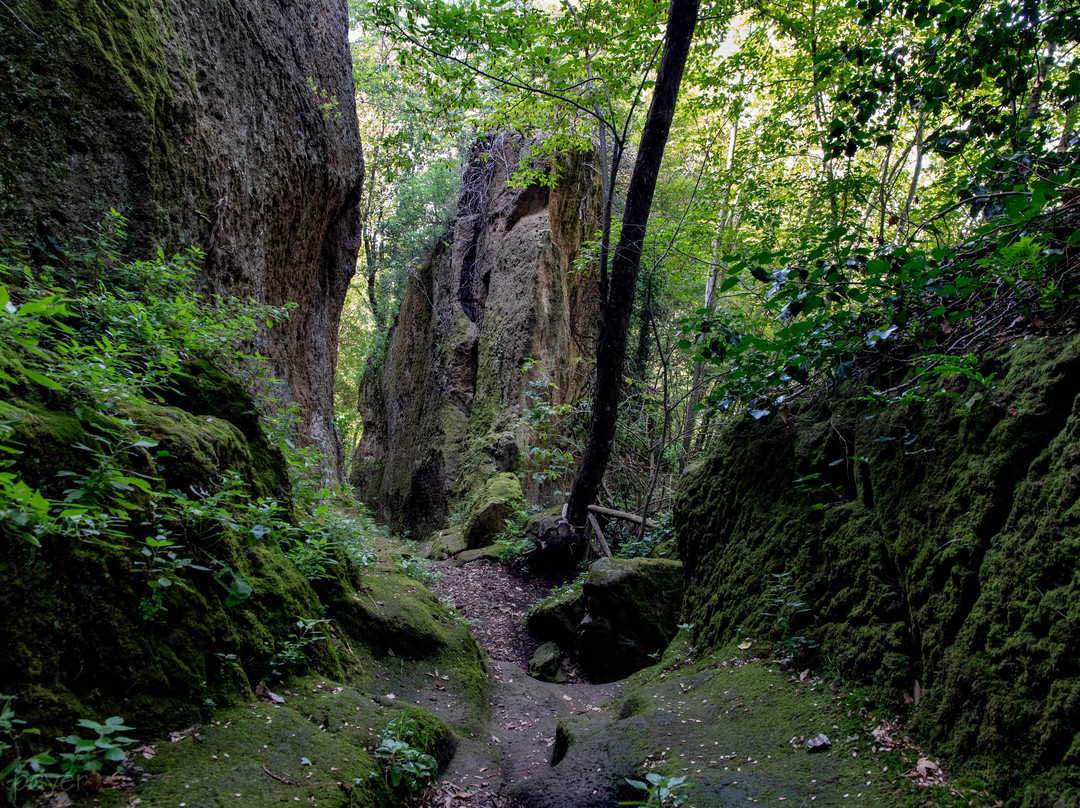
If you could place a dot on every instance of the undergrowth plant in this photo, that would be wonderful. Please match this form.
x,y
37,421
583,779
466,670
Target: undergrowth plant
x,y
785,608
659,791
292,652
404,766
549,451
25,774
96,331
512,538
419,569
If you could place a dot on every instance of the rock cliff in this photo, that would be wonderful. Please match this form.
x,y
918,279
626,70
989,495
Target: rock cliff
x,y
226,126
930,552
442,408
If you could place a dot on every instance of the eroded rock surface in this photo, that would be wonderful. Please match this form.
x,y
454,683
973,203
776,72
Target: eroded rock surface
x,y
229,127
936,562
442,411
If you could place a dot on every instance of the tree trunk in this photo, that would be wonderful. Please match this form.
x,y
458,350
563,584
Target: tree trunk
x,y
619,302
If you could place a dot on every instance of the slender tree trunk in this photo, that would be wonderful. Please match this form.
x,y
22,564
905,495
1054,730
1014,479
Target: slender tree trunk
x,y
914,185
729,222
619,302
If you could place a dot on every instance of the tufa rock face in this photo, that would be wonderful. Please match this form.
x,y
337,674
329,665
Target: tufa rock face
x,y
632,611
939,566
626,612
444,403
495,504
201,123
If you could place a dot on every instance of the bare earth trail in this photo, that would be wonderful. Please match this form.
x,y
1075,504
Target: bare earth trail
x,y
736,725
524,711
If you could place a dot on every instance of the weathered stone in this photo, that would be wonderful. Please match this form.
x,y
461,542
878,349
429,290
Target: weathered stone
x,y
493,507
556,544
924,574
558,618
493,552
201,134
632,611
545,664
440,411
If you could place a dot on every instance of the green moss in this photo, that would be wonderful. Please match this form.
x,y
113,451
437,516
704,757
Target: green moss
x,y
736,728
260,755
940,550
429,734
210,392
63,61
494,504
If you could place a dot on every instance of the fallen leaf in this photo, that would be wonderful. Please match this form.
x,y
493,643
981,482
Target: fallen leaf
x,y
264,693
819,743
927,767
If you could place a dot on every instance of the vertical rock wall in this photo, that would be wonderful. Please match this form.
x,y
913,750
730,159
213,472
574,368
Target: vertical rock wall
x,y
441,408
228,126
935,560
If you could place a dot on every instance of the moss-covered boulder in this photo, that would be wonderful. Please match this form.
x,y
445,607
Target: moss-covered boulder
x,y
314,747
546,663
447,543
557,618
106,616
928,551
632,611
395,614
494,505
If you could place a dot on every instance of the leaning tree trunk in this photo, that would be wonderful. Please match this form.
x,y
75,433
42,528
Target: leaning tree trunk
x,y
619,303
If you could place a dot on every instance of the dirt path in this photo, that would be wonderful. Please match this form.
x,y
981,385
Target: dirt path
x,y
525,711
496,598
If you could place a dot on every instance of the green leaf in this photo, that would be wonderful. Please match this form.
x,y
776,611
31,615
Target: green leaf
x,y
44,381
239,591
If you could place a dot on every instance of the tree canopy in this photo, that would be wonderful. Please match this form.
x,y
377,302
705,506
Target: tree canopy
x,y
888,178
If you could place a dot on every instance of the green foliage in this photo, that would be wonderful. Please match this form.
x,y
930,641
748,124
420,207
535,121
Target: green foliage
x,y
328,103
512,538
404,765
90,754
108,340
313,556
550,452
785,607
22,773
660,790
291,653
627,541
31,774
419,569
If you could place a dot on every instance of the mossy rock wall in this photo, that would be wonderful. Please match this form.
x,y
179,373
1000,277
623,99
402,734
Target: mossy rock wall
x,y
936,558
202,135
443,400
75,640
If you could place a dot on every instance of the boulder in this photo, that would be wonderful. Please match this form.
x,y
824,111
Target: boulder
x,y
447,544
632,611
556,545
545,664
493,552
493,507
558,618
